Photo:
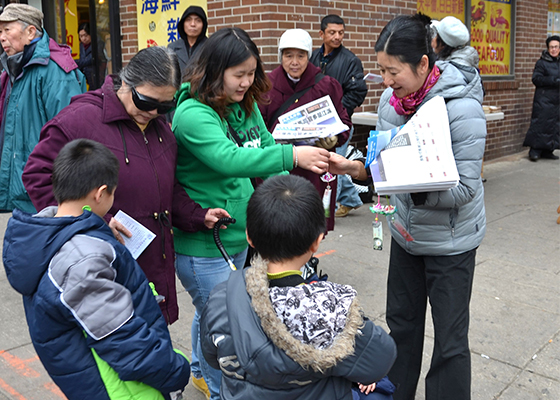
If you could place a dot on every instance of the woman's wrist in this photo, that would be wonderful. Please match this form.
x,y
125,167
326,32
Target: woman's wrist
x,y
358,171
295,157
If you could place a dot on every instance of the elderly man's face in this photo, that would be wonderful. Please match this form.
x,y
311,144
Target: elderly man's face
x,y
13,37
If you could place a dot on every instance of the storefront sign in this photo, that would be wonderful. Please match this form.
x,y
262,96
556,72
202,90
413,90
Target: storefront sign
x,y
71,22
491,36
158,19
438,9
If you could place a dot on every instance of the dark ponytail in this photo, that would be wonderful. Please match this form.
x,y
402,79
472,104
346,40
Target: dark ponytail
x,y
408,37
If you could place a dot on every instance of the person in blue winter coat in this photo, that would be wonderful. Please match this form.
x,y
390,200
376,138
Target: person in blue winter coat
x,y
92,316
38,80
88,57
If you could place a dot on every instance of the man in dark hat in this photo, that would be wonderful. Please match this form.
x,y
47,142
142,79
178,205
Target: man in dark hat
x,y
192,34
38,80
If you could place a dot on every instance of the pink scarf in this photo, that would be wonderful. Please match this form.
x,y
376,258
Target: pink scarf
x,y
408,104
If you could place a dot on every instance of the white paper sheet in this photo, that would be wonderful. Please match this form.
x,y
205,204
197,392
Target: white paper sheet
x,y
141,236
373,78
419,157
296,126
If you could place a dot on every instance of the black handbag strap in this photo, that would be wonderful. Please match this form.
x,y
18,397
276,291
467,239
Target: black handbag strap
x,y
293,99
232,133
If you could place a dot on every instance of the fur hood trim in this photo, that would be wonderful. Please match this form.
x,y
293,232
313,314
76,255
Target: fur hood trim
x,y
304,354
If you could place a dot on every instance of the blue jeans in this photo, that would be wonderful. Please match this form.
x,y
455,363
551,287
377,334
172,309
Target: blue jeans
x,y
195,365
346,193
199,275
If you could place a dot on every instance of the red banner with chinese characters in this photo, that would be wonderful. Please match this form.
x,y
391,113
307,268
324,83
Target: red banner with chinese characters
x,y
438,9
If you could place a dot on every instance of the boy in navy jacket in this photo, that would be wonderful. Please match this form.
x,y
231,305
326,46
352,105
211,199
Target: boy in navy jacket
x,y
92,316
275,335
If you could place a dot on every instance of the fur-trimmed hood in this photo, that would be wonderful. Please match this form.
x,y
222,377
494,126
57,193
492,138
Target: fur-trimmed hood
x,y
241,334
305,355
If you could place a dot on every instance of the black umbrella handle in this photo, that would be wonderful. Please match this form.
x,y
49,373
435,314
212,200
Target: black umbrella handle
x,y
219,245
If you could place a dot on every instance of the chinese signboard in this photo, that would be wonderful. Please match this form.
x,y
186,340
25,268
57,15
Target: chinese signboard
x,y
491,36
71,23
158,19
490,29
438,9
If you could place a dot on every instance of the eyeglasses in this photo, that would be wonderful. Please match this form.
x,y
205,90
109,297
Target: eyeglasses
x,y
146,103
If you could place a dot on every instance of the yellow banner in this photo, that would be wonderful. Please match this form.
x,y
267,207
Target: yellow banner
x,y
438,9
71,21
491,35
158,19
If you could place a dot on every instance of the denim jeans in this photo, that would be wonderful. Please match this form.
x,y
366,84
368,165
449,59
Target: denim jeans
x,y
195,365
199,275
346,193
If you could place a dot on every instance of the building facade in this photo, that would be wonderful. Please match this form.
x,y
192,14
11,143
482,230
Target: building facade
x,y
512,41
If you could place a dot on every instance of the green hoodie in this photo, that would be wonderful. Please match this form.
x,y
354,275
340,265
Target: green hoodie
x,y
215,172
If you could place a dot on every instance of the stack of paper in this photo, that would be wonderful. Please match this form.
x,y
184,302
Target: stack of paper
x,y
309,122
416,157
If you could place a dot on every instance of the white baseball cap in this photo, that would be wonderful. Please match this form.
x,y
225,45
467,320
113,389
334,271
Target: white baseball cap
x,y
452,31
295,39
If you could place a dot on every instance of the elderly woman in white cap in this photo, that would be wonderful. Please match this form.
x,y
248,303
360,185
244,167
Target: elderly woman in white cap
x,y
450,42
296,82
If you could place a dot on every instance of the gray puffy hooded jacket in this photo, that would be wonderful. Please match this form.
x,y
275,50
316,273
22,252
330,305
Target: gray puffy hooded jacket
x,y
466,55
453,221
259,358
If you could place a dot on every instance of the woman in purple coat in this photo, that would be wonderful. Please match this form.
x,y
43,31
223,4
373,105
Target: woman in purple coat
x,y
296,74
127,116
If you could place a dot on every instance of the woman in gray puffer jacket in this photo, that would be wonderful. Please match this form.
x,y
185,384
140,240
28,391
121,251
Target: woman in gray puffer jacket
x,y
447,226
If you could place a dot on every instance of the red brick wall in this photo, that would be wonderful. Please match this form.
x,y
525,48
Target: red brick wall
x,y
129,29
266,20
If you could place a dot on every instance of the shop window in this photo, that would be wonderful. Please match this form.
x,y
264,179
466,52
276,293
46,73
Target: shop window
x,y
553,17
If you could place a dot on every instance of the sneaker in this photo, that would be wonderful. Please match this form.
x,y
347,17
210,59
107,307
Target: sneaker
x,y
200,385
343,211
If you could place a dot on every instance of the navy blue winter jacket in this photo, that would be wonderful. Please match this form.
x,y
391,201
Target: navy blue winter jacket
x,y
83,291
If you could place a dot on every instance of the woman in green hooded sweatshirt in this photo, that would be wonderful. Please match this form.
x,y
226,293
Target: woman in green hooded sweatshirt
x,y
223,143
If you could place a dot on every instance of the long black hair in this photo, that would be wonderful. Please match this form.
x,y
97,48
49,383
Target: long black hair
x,y
408,37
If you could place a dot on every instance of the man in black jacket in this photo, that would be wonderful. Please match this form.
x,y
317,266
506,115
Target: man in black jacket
x,y
192,34
337,61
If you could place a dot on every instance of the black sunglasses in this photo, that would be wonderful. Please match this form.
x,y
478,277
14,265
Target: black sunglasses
x,y
146,103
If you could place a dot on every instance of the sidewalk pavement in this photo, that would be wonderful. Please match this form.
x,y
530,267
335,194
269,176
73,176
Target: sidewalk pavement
x,y
515,307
